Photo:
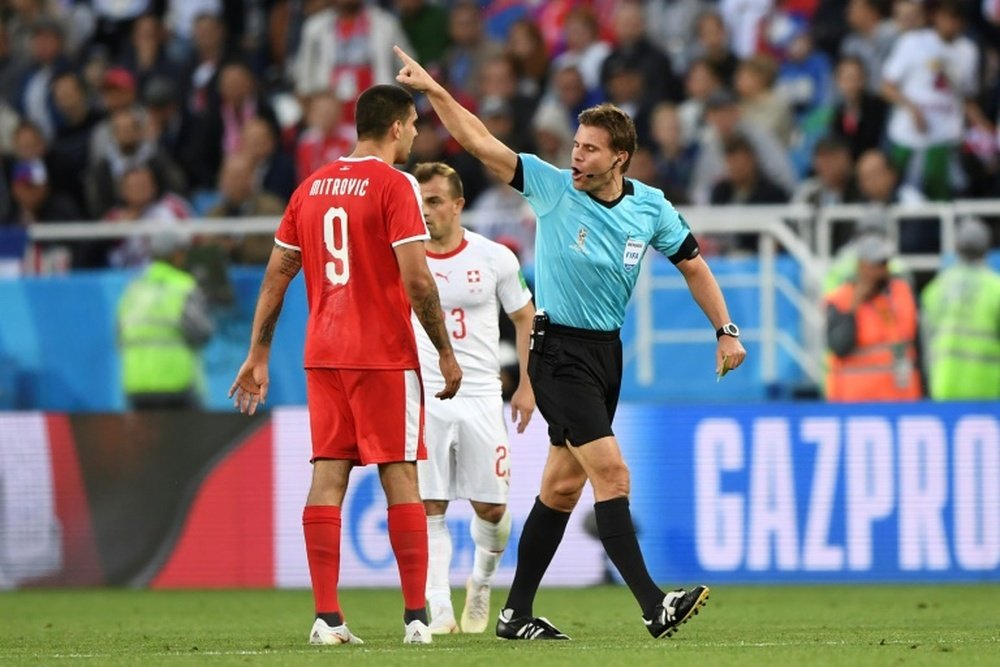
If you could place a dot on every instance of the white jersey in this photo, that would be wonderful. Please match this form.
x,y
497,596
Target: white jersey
x,y
473,281
937,76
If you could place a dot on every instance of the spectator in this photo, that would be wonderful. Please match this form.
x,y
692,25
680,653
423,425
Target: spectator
x,y
274,169
325,138
961,322
69,155
498,81
346,49
713,47
758,102
118,93
880,184
907,15
469,49
34,200
624,87
725,122
239,199
584,49
167,126
871,332
114,22
744,20
200,76
145,54
859,115
183,17
142,200
804,76
430,146
12,66
424,22
163,321
47,59
129,148
700,84
674,157
501,213
553,135
743,182
931,78
220,131
871,38
670,25
632,46
570,92
526,45
833,182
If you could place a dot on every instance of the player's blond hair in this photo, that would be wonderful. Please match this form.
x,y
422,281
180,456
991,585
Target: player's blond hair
x,y
425,171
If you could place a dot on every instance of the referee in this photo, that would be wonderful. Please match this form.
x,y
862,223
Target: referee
x,y
594,227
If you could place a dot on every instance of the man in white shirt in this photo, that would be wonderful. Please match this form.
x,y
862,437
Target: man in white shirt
x,y
931,78
468,454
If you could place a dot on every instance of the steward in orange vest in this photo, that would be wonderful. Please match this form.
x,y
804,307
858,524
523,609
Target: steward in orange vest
x,y
871,332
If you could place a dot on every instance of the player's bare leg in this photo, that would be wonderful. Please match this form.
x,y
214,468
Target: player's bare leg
x,y
490,528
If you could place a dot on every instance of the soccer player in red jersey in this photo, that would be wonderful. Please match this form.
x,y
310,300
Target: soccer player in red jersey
x,y
356,228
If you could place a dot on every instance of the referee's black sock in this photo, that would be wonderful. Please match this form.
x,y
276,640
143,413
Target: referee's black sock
x,y
543,531
617,532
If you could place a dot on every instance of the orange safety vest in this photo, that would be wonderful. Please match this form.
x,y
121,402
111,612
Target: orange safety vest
x,y
883,364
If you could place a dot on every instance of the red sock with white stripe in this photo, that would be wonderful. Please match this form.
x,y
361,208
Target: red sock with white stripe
x,y
408,536
321,526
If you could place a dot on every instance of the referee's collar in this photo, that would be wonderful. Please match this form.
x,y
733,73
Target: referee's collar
x,y
627,189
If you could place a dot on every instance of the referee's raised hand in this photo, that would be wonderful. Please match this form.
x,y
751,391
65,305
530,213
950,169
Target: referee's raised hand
x,y
412,74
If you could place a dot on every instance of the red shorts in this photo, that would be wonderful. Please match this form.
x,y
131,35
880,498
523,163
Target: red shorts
x,y
368,416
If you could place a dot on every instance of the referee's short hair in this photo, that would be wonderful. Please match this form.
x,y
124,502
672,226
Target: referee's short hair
x,y
617,123
379,107
425,171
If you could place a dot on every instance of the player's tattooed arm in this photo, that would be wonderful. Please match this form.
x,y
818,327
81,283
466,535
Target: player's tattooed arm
x,y
283,265
291,261
428,311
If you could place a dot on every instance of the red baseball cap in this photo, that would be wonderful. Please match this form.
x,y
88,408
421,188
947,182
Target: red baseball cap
x,y
119,77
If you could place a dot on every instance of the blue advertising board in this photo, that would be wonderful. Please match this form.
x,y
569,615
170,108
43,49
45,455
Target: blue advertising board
x,y
814,492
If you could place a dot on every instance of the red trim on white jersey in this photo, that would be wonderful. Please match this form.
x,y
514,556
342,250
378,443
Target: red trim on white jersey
x,y
446,255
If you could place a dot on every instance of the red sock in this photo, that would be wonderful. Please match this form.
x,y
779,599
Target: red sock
x,y
408,536
321,525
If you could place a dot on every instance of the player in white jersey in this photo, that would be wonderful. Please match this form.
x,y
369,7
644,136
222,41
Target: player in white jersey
x,y
468,453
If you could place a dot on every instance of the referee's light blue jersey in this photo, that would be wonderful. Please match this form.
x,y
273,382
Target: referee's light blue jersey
x,y
587,254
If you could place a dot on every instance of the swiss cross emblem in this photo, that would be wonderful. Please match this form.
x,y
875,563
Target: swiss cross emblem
x,y
473,276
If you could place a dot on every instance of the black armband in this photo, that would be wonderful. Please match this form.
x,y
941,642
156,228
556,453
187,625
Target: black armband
x,y
689,250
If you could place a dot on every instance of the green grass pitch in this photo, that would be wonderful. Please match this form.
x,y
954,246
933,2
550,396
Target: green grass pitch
x,y
763,625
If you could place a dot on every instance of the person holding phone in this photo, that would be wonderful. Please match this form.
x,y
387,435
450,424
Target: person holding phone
x,y
872,331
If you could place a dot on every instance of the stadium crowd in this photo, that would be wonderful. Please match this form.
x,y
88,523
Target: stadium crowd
x,y
168,109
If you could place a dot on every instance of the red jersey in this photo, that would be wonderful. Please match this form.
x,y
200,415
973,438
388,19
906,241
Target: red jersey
x,y
346,219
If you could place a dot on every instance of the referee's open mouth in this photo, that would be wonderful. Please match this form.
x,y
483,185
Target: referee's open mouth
x,y
577,174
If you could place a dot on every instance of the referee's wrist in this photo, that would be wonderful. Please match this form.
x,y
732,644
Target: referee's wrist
x,y
728,329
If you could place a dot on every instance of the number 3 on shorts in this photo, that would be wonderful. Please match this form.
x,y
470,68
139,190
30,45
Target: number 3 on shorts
x,y
338,271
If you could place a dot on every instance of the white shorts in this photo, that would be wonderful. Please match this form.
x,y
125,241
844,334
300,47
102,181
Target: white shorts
x,y
468,453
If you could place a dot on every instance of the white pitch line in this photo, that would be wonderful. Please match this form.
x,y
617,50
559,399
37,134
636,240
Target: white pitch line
x,y
566,646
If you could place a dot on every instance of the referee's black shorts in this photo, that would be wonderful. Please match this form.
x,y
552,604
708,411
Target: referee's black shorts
x,y
576,377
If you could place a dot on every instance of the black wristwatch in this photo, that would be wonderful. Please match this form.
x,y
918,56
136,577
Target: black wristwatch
x,y
727,329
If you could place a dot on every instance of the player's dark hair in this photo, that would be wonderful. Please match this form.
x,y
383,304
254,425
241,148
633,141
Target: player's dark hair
x,y
425,171
617,123
379,107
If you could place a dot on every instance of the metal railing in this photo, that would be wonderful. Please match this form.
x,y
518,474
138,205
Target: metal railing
x,y
800,231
